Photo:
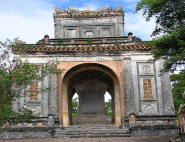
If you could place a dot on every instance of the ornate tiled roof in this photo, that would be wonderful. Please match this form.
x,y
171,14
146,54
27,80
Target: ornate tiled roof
x,y
89,45
88,15
72,12
87,48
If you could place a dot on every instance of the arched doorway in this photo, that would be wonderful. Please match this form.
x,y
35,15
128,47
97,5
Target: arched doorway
x,y
90,81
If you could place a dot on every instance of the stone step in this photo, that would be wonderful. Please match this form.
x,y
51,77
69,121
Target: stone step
x,y
108,131
90,127
94,129
85,132
91,131
91,135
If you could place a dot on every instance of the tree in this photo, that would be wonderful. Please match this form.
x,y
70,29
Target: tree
x,y
170,21
178,88
108,107
15,75
74,106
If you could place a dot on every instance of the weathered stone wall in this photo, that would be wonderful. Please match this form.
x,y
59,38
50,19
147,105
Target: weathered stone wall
x,y
135,70
89,27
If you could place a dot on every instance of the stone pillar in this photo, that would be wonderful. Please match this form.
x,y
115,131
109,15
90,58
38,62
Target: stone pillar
x,y
15,105
51,121
46,96
65,105
117,105
46,39
70,109
59,87
159,66
53,95
58,30
113,110
130,36
168,103
120,25
128,86
132,119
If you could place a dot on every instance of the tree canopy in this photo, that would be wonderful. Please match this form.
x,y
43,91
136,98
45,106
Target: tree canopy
x,y
178,88
170,22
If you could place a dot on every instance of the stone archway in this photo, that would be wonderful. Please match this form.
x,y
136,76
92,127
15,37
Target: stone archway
x,y
91,86
68,85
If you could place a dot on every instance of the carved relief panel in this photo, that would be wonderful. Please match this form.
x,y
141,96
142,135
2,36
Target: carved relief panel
x,y
33,95
149,108
89,34
146,69
147,88
35,109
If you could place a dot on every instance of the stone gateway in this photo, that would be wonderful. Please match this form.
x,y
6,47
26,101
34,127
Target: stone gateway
x,y
97,57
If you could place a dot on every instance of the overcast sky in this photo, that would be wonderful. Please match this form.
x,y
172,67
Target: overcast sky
x,y
30,20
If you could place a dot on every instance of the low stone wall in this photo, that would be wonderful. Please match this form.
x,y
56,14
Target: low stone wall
x,y
35,128
153,125
28,132
154,130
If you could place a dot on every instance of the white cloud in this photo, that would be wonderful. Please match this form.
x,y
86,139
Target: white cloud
x,y
137,24
30,20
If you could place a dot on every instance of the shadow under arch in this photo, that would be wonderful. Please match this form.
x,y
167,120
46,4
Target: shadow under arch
x,y
90,66
65,96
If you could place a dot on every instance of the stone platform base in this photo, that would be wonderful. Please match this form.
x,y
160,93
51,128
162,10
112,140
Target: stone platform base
x,y
28,132
150,130
92,120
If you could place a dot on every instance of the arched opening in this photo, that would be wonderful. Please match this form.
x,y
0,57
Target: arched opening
x,y
75,104
91,86
108,103
90,82
89,34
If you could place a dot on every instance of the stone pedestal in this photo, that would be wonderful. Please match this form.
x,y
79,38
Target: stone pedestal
x,y
92,120
91,103
51,121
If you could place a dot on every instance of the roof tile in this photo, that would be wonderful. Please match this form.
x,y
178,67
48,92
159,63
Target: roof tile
x,y
88,48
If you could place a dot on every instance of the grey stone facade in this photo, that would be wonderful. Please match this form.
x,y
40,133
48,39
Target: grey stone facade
x,y
82,26
146,92
160,103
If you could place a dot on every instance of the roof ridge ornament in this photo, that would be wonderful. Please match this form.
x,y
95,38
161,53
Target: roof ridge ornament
x,y
57,10
104,8
88,9
73,8
118,8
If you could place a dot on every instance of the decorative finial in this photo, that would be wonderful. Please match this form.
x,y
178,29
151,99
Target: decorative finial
x,y
88,7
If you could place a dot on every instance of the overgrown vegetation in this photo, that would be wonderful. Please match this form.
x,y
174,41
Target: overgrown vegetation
x,y
15,75
89,40
60,41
